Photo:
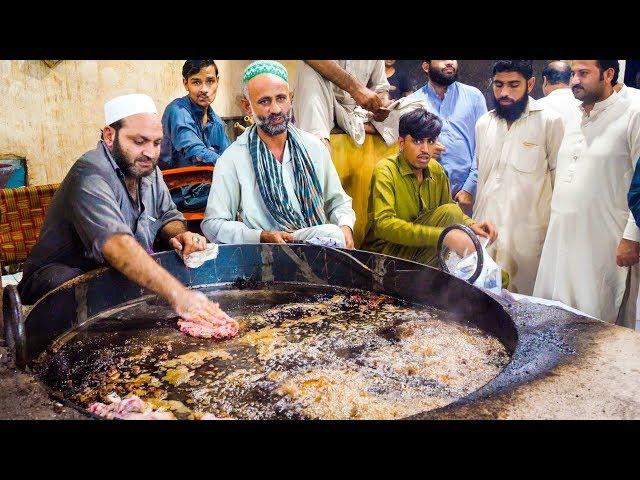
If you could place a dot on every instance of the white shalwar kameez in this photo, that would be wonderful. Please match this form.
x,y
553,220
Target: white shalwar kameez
x,y
563,102
235,210
318,104
516,169
589,215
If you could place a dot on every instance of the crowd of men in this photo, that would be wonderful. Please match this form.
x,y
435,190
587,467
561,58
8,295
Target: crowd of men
x,y
551,183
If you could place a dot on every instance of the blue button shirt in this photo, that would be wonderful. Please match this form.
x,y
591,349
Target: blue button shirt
x,y
634,195
459,111
186,141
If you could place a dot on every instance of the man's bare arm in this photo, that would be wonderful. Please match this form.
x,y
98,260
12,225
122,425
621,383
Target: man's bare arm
x,y
126,255
333,72
171,229
337,75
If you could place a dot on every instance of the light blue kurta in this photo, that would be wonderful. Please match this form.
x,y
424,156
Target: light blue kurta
x,y
459,111
235,210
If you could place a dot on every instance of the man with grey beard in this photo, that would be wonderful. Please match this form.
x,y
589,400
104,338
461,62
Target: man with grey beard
x,y
276,183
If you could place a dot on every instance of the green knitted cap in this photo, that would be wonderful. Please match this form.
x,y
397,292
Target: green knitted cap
x,y
265,66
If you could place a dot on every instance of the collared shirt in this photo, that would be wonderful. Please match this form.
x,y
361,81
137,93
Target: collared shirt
x,y
589,211
459,111
516,170
396,201
186,141
631,93
563,102
91,205
235,210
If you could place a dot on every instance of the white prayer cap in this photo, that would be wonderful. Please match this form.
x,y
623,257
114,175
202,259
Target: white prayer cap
x,y
127,105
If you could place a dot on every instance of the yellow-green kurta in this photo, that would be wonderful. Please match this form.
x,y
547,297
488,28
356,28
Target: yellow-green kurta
x,y
405,219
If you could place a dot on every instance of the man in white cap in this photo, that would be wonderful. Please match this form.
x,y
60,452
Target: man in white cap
x,y
276,183
110,209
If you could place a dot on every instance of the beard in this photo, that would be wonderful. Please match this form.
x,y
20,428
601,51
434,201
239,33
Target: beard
x,y
267,125
512,112
588,96
442,79
129,167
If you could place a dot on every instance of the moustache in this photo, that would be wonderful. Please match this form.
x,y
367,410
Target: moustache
x,y
144,158
274,116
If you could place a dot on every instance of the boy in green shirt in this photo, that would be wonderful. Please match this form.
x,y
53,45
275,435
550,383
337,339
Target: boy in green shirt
x,y
410,198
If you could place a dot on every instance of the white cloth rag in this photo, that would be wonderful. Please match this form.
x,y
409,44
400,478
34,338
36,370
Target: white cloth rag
x,y
196,259
325,242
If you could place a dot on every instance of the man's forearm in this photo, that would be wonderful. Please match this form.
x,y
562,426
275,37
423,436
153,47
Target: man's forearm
x,y
384,96
200,153
126,255
171,229
333,72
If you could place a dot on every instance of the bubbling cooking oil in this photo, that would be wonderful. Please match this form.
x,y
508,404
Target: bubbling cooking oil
x,y
302,352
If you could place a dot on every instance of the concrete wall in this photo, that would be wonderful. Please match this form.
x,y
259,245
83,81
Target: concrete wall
x,y
51,116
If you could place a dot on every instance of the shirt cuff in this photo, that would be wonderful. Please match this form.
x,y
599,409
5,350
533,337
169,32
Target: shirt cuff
x,y
470,187
251,236
346,220
322,134
172,216
631,231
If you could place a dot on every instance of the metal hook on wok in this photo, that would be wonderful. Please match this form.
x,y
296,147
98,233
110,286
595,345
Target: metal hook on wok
x,y
14,328
476,243
367,270
360,265
440,249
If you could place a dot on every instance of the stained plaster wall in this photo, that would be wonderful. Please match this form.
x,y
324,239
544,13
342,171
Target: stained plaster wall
x,y
51,116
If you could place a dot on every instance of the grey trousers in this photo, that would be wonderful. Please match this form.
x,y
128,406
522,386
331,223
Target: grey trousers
x,y
45,279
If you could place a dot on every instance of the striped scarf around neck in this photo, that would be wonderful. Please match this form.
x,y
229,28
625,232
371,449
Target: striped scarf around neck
x,y
268,173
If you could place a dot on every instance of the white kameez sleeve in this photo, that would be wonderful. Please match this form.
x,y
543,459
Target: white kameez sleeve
x,y
555,133
337,204
378,81
631,231
219,224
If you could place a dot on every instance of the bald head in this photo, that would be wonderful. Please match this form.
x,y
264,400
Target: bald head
x,y
557,74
